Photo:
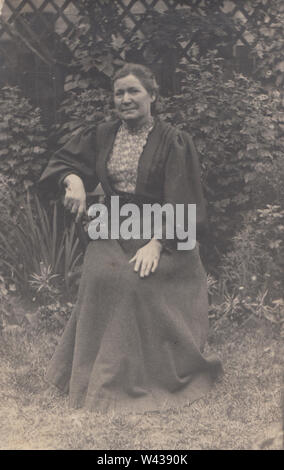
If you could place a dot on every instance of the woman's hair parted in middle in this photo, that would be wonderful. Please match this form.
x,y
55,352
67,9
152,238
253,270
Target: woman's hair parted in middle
x,y
144,75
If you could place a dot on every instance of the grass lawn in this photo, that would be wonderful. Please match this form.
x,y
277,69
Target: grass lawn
x,y
242,412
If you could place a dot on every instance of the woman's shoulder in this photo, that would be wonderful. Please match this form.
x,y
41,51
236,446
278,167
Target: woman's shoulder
x,y
176,135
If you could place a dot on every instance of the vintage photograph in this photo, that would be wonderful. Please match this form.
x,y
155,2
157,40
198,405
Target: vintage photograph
x,y
141,226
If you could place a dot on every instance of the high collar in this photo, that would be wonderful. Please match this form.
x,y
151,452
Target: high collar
x,y
140,129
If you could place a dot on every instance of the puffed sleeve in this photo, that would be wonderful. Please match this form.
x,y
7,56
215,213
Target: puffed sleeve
x,y
76,157
182,182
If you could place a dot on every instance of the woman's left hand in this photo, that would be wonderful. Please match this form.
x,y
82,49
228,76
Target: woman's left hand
x,y
147,258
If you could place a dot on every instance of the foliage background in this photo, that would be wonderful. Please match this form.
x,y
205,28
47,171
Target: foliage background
x,y
23,140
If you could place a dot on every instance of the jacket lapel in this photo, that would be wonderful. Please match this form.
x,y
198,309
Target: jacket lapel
x,y
152,160
105,139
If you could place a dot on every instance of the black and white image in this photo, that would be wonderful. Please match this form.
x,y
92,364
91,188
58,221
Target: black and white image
x,y
142,225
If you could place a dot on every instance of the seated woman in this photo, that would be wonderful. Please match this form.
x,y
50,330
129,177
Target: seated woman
x,y
135,338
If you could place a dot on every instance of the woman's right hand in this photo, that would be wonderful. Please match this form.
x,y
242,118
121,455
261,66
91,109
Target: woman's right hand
x,y
75,195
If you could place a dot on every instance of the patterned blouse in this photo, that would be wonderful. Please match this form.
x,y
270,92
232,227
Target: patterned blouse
x,y
127,149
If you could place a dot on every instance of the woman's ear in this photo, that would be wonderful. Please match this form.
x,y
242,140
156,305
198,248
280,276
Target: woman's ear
x,y
153,97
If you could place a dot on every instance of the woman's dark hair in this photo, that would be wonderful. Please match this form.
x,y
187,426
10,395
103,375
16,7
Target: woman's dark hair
x,y
143,74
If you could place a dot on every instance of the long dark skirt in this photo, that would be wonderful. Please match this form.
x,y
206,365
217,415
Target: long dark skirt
x,y
135,344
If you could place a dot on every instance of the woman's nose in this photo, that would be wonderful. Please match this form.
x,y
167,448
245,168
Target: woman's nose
x,y
126,98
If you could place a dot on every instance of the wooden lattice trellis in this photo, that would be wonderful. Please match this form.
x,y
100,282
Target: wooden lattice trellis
x,y
63,15
37,24
14,10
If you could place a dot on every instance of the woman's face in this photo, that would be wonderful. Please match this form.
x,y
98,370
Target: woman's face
x,y
132,101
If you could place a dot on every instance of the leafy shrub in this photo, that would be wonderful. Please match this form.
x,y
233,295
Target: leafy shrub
x,y
8,204
22,140
256,260
267,53
81,108
36,249
246,265
20,316
234,125
269,231
238,309
251,274
8,201
43,283
49,318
